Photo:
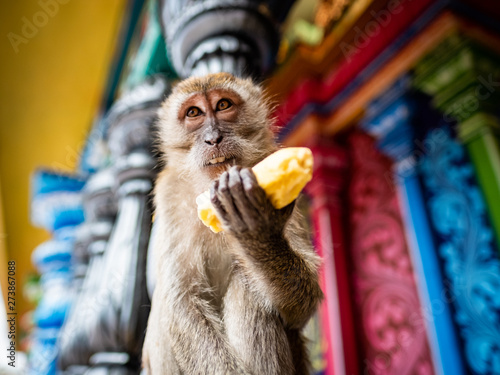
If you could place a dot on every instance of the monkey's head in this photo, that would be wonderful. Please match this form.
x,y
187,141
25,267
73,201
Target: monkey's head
x,y
210,123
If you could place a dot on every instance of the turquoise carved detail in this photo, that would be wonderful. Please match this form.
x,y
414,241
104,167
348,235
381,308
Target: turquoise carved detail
x,y
466,246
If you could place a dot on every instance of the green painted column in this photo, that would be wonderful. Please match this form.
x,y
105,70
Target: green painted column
x,y
463,78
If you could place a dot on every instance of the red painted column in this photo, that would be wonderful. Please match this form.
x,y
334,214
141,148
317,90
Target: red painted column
x,y
327,189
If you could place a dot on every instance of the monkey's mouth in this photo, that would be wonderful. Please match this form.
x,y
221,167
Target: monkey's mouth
x,y
222,159
219,161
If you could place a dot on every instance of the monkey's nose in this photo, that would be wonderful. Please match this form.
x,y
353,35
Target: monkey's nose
x,y
213,140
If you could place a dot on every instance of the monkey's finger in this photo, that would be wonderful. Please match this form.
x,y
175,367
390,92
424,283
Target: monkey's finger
x,y
248,213
225,197
236,188
255,194
219,208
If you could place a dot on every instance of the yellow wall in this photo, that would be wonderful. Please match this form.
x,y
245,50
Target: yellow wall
x,y
3,255
49,93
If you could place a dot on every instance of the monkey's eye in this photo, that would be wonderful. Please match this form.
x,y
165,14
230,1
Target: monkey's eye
x,y
193,112
223,104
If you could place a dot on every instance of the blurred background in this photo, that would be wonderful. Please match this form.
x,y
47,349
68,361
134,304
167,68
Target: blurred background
x,y
399,101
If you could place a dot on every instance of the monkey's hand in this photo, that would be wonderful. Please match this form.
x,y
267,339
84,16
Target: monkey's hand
x,y
244,209
285,276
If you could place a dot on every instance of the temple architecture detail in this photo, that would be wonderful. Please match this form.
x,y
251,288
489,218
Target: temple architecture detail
x,y
466,245
462,83
199,43
56,207
327,191
106,328
394,335
392,119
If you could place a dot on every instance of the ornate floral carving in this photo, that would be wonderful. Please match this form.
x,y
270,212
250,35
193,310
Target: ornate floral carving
x,y
465,244
394,336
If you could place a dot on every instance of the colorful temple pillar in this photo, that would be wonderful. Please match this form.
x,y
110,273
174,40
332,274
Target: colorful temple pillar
x,y
465,243
57,207
463,77
99,206
393,331
327,190
389,119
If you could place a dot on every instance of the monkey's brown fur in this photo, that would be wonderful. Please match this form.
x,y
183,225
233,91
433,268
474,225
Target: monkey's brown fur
x,y
233,302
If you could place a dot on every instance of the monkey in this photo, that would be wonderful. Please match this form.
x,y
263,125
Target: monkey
x,y
234,302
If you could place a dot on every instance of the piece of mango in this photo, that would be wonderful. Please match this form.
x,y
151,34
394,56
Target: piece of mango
x,y
282,175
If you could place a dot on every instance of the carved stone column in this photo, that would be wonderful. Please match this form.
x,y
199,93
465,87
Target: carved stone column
x,y
389,119
92,237
119,324
108,331
130,121
463,79
327,190
210,36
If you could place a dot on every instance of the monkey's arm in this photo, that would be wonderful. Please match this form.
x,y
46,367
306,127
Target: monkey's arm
x,y
281,263
195,331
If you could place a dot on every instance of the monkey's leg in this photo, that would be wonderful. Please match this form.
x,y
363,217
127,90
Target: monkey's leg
x,y
157,356
255,331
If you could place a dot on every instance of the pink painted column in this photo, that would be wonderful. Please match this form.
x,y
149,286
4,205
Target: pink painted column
x,y
327,189
394,338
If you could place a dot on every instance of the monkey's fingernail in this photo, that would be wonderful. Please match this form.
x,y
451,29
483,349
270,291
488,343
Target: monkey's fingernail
x,y
245,172
247,182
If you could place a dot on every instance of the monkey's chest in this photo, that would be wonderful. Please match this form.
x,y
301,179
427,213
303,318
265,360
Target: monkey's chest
x,y
218,269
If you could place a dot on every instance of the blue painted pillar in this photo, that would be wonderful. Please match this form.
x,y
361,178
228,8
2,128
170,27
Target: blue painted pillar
x,y
57,207
389,120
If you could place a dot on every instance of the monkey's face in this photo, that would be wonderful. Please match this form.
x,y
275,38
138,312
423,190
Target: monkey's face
x,y
212,118
219,121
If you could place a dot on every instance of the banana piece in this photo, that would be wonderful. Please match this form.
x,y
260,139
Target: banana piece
x,y
282,175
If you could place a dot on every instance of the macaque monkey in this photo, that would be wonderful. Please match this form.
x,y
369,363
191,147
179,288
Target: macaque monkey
x,y
233,302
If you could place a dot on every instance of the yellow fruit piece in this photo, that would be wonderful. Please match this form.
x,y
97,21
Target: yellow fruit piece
x,y
282,175
206,212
